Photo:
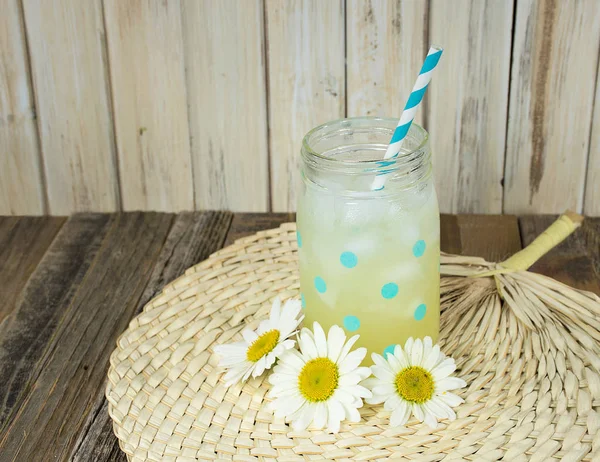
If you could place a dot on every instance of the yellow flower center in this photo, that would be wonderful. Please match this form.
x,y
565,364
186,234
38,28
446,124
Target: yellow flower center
x,y
318,379
263,345
415,384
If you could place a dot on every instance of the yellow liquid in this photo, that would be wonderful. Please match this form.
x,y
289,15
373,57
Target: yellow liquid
x,y
371,265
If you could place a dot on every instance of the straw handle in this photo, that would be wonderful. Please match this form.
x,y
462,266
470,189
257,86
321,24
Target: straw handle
x,y
554,235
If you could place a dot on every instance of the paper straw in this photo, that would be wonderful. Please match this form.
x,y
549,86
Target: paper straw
x,y
410,109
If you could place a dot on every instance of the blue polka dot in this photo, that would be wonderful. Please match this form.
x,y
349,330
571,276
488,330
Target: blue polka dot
x,y
302,301
390,290
348,259
388,350
299,238
320,285
419,248
420,312
351,323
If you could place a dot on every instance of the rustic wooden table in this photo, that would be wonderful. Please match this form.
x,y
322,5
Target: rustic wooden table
x,y
70,286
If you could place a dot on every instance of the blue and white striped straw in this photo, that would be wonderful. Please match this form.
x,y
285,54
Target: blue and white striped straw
x,y
408,115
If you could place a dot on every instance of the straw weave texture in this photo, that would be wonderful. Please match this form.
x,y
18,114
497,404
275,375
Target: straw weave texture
x,y
531,359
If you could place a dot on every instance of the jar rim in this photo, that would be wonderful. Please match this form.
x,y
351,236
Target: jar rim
x,y
420,131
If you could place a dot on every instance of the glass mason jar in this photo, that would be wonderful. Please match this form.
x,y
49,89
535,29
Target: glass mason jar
x,y
369,233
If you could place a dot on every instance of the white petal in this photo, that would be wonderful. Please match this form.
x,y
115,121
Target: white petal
x,y
393,402
407,347
233,376
343,396
283,393
293,359
227,349
352,413
352,360
247,374
430,419
335,342
376,399
359,391
249,336
383,373
400,414
291,309
444,369
449,383
440,409
263,327
379,361
431,359
275,311
320,419
336,414
260,366
304,417
270,359
307,344
320,340
416,353
384,389
347,347
285,407
450,399
397,360
417,410
228,361
363,372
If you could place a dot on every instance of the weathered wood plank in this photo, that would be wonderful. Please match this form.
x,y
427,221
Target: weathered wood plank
x,y
149,99
305,46
468,102
246,224
552,92
23,242
193,237
493,237
225,74
385,48
21,190
576,261
591,203
76,356
68,51
25,333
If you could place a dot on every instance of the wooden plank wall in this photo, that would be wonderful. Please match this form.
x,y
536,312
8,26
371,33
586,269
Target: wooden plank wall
x,y
177,105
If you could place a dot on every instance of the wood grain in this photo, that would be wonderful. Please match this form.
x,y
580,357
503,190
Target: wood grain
x,y
225,74
591,204
149,98
305,46
76,356
25,333
246,224
385,48
192,238
21,184
576,261
493,237
68,51
552,91
23,243
468,99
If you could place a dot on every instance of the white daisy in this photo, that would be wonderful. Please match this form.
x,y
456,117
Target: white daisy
x,y
259,350
319,384
415,380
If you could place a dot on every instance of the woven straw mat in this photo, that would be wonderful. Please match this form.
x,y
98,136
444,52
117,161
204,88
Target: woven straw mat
x,y
525,399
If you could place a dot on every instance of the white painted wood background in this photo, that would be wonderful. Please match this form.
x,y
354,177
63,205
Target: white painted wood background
x,y
202,104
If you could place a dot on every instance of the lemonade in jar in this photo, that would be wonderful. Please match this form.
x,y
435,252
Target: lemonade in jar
x,y
368,233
